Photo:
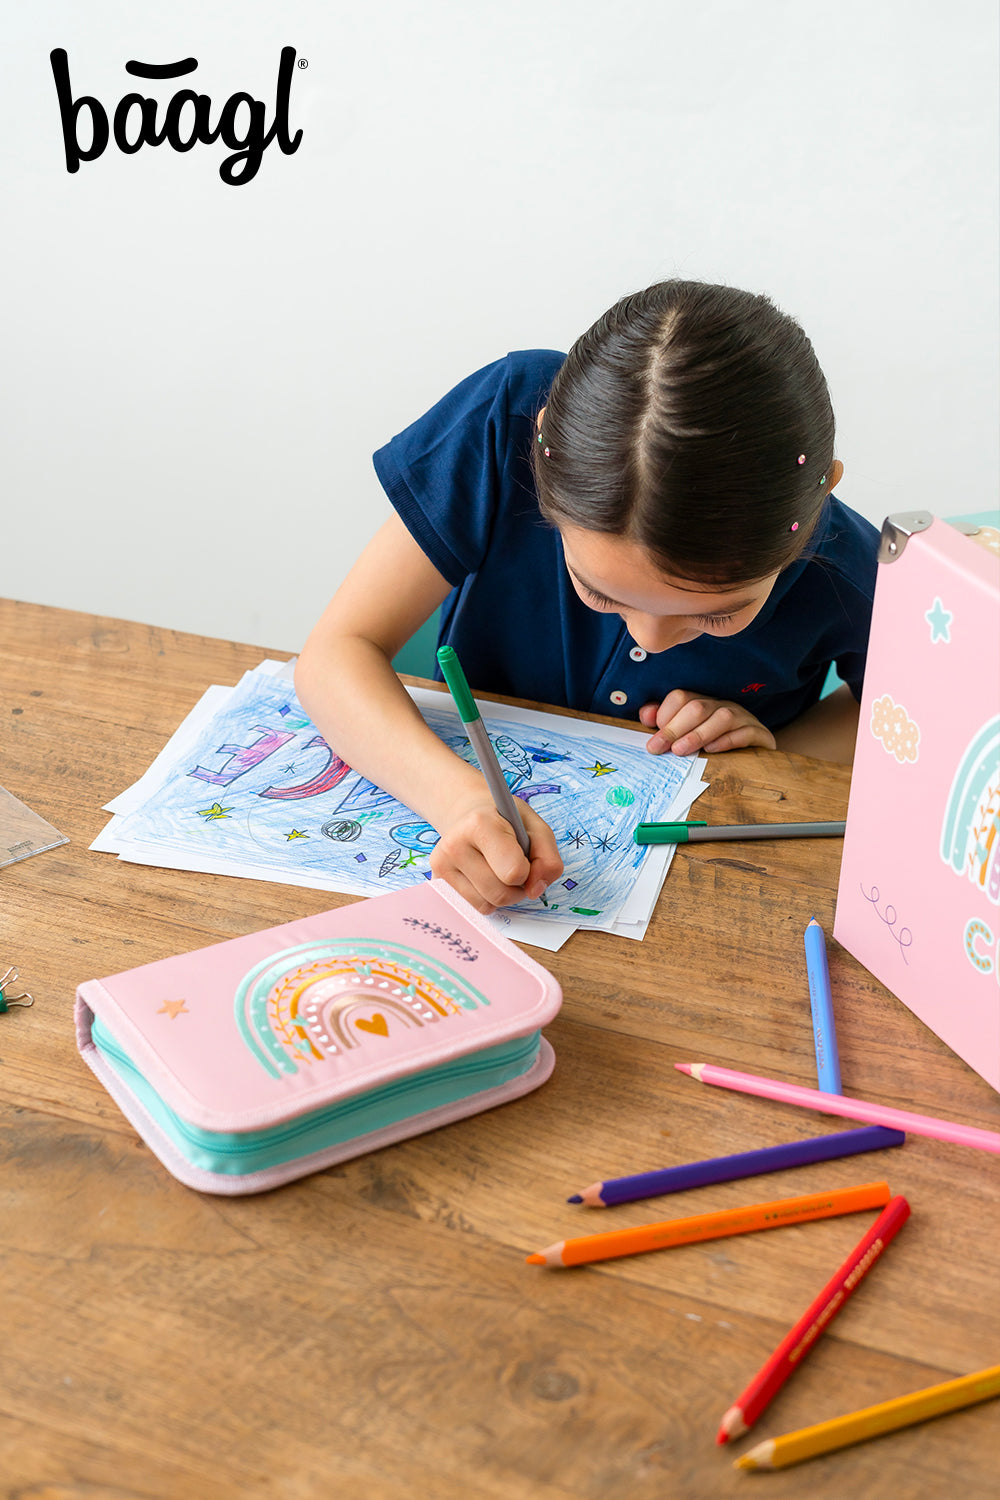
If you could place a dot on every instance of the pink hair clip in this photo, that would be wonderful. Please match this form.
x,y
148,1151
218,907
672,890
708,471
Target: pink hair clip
x,y
802,459
794,526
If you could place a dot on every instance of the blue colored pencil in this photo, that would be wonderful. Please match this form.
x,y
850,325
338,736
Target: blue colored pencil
x,y
824,1029
744,1164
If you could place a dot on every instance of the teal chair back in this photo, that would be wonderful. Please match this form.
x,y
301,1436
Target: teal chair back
x,y
418,656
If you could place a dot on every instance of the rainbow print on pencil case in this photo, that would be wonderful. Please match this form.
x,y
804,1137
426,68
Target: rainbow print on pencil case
x,y
312,1001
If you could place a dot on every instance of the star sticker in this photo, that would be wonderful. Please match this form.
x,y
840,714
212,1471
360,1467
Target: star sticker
x,y
173,1009
939,619
599,769
295,834
210,814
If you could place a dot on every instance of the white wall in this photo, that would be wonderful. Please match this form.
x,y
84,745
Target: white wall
x,y
195,375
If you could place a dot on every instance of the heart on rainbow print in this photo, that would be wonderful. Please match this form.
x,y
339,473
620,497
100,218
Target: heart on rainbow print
x,y
378,1024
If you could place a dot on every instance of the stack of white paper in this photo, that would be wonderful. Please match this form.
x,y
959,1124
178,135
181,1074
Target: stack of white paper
x,y
248,786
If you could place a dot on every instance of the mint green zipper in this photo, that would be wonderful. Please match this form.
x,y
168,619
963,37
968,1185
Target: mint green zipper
x,y
239,1152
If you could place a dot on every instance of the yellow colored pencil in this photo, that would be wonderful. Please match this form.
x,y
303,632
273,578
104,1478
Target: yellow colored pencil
x,y
872,1421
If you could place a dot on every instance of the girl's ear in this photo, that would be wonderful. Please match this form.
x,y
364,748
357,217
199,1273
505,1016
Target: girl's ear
x,y
538,419
835,475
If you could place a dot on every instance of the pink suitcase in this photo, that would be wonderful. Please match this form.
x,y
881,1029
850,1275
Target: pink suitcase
x,y
919,896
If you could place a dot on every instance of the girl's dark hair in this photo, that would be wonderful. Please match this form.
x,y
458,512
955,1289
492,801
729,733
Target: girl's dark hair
x,y
677,421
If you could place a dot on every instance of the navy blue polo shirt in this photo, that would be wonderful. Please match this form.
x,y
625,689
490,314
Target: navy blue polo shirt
x,y
460,479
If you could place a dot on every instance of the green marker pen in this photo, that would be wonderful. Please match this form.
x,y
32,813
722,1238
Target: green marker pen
x,y
451,668
697,832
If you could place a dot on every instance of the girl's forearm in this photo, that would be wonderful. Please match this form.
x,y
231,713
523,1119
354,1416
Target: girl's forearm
x,y
364,713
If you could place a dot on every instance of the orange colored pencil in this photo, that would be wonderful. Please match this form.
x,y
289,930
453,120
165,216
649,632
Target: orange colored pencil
x,y
671,1232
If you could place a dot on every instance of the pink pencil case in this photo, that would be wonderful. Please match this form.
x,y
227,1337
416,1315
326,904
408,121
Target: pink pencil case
x,y
258,1060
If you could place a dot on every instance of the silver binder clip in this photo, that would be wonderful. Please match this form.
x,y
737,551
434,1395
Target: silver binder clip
x,y
7,1000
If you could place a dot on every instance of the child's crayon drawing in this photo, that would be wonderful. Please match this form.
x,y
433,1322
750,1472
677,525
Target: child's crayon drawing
x,y
262,786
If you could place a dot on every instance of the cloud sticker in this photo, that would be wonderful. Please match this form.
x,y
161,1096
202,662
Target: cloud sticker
x,y
892,725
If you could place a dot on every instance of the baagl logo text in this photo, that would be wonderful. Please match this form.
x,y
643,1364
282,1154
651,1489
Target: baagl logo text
x,y
186,119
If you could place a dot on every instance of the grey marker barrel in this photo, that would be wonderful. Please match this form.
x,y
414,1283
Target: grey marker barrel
x,y
770,831
496,781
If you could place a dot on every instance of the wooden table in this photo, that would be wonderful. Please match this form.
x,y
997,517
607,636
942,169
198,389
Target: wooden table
x,y
373,1331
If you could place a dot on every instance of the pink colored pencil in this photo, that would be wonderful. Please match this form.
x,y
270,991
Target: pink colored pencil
x,y
839,1104
800,1340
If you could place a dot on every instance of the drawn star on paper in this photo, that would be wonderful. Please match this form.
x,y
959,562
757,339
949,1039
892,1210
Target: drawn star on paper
x,y
210,814
296,833
600,770
576,839
173,1009
939,619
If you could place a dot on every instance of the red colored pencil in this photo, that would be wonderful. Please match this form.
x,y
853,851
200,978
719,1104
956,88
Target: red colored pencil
x,y
797,1343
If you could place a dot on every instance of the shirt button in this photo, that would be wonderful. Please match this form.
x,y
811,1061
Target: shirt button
x,y
637,653
618,697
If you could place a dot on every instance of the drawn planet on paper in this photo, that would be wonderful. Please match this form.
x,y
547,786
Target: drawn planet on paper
x,y
342,830
620,796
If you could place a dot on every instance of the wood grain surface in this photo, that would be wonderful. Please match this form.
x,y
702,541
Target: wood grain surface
x,y
373,1331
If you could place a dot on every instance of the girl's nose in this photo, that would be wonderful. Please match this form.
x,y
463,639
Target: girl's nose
x,y
656,633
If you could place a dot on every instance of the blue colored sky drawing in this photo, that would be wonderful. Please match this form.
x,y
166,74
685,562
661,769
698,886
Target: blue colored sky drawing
x,y
256,789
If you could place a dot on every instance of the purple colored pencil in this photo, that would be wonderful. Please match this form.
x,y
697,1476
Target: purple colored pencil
x,y
744,1164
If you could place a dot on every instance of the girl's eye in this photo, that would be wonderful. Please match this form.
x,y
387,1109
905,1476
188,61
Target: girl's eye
x,y
600,600
711,620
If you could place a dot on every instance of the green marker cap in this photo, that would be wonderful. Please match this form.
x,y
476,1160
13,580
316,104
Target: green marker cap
x,y
451,669
666,833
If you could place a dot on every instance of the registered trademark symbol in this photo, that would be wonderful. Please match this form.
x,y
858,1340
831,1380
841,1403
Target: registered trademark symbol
x,y
303,62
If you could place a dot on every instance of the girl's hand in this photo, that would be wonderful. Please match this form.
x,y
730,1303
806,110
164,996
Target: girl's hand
x,y
479,855
687,722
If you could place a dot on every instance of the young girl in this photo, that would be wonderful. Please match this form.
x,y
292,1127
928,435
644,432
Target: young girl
x,y
643,528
